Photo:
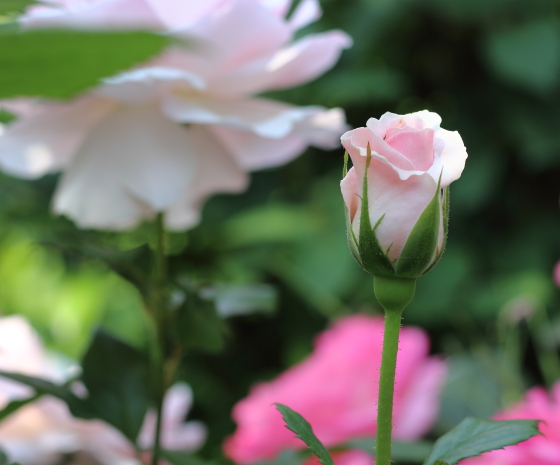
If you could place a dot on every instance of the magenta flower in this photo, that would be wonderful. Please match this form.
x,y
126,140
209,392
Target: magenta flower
x,y
335,389
543,449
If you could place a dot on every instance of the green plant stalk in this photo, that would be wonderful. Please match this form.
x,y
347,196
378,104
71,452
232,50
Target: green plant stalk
x,y
159,309
394,294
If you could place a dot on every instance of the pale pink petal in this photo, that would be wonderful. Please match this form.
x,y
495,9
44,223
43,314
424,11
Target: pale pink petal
x,y
107,14
356,142
175,433
265,118
402,203
452,153
148,84
319,127
217,171
307,12
416,146
349,188
238,32
297,64
46,139
21,350
557,274
278,7
176,14
132,164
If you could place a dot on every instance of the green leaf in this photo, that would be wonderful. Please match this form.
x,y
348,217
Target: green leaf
x,y
527,55
372,258
64,63
299,425
440,462
15,405
421,244
77,406
473,436
196,324
242,299
14,6
116,377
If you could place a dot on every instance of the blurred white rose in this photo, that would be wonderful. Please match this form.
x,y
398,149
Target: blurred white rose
x,y
164,136
41,432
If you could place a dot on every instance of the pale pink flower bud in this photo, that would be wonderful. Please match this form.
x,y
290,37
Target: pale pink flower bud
x,y
398,222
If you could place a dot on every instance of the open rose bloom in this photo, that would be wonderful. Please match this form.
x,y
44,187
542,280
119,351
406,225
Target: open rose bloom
x,y
401,227
543,449
335,389
164,136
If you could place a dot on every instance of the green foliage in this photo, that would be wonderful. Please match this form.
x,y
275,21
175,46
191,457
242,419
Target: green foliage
x,y
299,425
14,6
79,407
67,62
14,405
400,452
473,436
116,377
196,324
527,55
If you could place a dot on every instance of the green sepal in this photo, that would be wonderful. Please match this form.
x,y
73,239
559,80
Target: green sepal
x,y
350,236
372,257
445,212
420,247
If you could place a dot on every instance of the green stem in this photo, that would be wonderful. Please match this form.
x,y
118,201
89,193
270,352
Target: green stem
x,y
394,294
159,308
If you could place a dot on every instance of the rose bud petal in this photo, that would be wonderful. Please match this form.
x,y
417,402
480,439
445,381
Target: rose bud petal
x,y
397,193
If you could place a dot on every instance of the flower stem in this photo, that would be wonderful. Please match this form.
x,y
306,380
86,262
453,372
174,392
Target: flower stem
x,y
394,294
159,308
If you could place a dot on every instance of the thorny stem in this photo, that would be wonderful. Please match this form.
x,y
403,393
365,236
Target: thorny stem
x,y
394,294
159,309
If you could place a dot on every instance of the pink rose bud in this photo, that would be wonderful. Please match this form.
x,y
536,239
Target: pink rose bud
x,y
397,193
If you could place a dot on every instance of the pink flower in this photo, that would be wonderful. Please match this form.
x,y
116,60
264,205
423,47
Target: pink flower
x,y
38,433
335,389
109,447
557,274
542,449
164,136
408,155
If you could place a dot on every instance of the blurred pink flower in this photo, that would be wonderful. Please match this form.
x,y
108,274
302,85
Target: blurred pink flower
x,y
542,449
164,136
109,447
557,274
335,389
38,433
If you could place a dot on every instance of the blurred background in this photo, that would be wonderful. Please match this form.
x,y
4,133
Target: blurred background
x,y
276,258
